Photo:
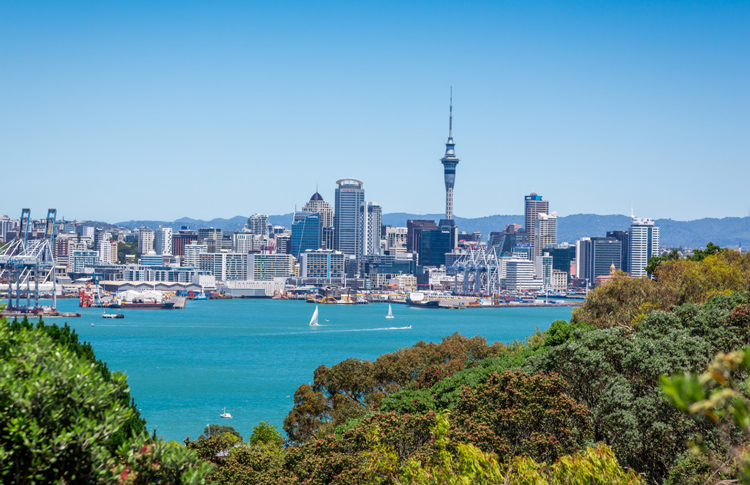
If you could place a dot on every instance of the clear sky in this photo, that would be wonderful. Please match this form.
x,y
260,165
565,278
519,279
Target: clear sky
x,y
158,110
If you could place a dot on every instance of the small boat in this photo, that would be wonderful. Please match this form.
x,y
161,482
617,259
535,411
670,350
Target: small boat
x,y
201,296
92,324
314,319
390,312
408,326
225,414
112,315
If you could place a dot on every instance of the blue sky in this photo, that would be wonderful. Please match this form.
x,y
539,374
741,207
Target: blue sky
x,y
158,110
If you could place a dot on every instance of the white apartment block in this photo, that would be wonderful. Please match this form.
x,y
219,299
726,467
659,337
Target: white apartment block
x,y
163,240
266,267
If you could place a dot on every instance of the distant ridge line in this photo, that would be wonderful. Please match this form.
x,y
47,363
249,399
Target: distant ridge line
x,y
726,232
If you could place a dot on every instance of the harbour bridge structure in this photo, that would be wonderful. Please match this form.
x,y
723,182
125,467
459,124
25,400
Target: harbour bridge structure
x,y
481,270
24,261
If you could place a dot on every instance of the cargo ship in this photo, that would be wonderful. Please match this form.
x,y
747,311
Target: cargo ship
x,y
151,299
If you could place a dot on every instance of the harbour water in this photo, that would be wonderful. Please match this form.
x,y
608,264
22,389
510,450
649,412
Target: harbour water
x,y
185,366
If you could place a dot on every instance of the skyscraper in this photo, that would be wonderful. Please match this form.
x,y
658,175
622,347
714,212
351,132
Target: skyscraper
x,y
163,240
317,204
350,194
533,205
306,232
258,224
145,240
643,243
545,232
371,216
449,162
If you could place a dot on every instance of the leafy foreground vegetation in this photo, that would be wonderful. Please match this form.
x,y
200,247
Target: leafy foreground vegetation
x,y
588,401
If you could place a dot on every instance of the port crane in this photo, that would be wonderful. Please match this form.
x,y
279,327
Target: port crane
x,y
24,261
481,270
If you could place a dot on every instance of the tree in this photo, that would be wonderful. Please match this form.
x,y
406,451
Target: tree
x,y
220,430
265,434
515,413
67,337
720,397
59,415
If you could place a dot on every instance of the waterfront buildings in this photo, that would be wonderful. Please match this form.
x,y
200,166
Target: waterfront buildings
x,y
266,267
224,266
323,264
350,194
135,272
643,243
163,240
84,259
519,275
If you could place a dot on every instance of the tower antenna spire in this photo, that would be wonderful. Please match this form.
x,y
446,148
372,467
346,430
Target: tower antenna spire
x,y
450,117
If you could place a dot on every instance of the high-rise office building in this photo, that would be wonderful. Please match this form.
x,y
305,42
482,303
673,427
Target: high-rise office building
x,y
183,237
395,238
258,224
449,162
544,270
435,244
191,253
505,241
545,232
643,243
414,228
621,236
206,234
163,240
317,204
306,232
350,194
597,255
145,241
371,216
533,205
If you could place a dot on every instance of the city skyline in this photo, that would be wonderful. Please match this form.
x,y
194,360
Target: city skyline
x,y
172,110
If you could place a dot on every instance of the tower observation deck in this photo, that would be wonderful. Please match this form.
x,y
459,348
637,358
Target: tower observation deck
x,y
449,162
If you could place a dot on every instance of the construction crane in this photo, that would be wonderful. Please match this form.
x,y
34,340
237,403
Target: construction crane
x,y
24,261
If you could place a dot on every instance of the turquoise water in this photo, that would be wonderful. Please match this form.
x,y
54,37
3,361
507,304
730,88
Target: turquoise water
x,y
185,366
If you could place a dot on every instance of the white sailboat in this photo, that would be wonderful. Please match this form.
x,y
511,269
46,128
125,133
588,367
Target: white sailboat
x,y
314,319
390,312
225,414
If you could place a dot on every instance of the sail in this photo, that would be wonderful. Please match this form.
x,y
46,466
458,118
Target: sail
x,y
390,312
314,319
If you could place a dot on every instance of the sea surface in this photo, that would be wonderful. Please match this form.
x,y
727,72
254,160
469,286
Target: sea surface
x,y
248,356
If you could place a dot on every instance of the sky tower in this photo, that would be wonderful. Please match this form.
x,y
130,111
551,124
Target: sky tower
x,y
449,162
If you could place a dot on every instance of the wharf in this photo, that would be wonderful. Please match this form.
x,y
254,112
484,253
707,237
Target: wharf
x,y
49,314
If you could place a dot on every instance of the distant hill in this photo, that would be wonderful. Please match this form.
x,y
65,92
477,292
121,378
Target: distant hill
x,y
727,232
